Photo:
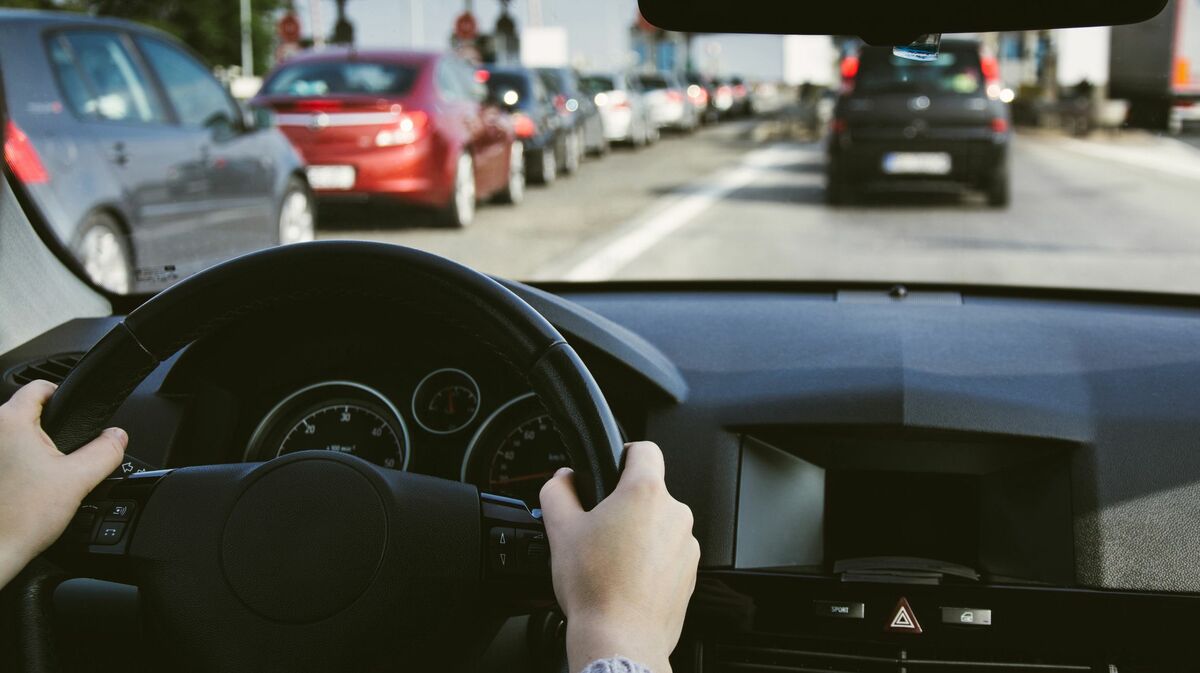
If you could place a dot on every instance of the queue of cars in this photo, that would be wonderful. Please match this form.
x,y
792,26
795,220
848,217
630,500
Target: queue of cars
x,y
88,97
428,129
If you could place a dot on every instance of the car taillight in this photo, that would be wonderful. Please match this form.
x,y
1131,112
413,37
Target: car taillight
x,y
523,126
482,76
838,125
999,124
990,68
739,90
674,96
407,130
849,69
560,103
22,158
317,105
698,95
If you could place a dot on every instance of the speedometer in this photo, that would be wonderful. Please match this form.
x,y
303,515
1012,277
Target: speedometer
x,y
337,416
515,451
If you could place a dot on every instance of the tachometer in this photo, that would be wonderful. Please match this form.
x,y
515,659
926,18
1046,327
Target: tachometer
x,y
334,416
515,451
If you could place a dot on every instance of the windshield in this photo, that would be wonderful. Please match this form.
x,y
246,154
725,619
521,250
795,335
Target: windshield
x,y
154,148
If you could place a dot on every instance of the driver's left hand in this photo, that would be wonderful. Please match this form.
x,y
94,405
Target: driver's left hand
x,y
40,487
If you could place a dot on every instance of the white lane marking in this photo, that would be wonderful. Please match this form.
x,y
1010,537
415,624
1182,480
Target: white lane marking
x,y
1165,156
646,231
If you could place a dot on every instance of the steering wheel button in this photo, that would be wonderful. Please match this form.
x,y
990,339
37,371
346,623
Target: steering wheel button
x,y
502,539
119,511
110,532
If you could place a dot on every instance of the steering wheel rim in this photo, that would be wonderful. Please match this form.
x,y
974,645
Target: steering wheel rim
x,y
204,303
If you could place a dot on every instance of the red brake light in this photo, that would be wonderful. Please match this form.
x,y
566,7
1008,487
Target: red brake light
x,y
560,103
999,124
523,126
674,96
317,105
838,125
990,68
22,158
739,90
482,76
849,67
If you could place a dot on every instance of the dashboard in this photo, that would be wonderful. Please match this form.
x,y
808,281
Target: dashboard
x,y
1032,457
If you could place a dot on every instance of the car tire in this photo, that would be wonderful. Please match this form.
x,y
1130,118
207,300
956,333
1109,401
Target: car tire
x,y
460,212
545,170
639,137
573,154
103,250
514,190
838,191
999,193
297,216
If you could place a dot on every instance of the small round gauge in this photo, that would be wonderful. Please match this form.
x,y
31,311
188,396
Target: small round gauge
x,y
515,451
334,416
445,401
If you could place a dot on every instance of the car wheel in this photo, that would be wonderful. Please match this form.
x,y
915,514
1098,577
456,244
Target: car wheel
x,y
655,134
545,171
514,191
297,223
103,250
460,212
573,153
838,191
638,135
998,193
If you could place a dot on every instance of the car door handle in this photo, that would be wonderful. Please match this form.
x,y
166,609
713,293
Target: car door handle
x,y
120,156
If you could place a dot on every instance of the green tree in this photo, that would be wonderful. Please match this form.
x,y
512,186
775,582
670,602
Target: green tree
x,y
211,27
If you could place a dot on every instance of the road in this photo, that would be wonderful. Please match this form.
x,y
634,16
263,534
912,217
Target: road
x,y
736,202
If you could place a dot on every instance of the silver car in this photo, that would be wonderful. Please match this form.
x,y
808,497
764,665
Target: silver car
x,y
667,101
623,109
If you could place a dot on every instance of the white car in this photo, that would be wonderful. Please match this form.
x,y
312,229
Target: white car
x,y
623,109
668,102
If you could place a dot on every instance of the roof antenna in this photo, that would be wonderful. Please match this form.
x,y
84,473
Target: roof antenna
x,y
924,48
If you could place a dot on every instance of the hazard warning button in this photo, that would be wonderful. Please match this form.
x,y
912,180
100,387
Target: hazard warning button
x,y
903,619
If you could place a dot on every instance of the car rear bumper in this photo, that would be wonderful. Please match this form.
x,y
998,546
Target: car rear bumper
x,y
409,173
618,123
971,160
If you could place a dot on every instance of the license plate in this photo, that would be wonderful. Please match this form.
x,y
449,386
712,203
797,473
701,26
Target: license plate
x,y
922,163
331,177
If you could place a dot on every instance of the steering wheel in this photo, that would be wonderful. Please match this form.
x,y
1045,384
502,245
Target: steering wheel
x,y
316,561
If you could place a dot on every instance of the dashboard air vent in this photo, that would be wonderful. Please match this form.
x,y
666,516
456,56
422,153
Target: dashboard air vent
x,y
53,369
805,656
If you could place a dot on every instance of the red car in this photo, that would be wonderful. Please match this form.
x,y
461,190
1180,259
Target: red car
x,y
406,126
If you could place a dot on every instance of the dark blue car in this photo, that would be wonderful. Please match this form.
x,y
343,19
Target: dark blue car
x,y
535,120
138,159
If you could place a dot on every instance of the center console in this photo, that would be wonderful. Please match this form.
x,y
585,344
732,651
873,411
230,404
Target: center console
x,y
903,550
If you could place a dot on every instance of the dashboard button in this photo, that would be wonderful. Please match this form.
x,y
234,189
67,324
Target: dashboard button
x,y
839,609
967,616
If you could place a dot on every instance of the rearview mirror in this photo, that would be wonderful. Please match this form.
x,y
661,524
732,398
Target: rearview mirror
x,y
888,22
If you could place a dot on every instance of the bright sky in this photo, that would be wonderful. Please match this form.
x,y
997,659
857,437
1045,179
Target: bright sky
x,y
598,30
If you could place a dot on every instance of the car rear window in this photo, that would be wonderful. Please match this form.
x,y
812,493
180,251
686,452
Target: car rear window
x,y
506,81
597,83
953,72
654,82
324,78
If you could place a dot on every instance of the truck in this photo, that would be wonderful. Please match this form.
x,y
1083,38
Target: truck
x,y
1155,65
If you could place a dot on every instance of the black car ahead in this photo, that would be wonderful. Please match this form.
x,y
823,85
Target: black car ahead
x,y
578,110
901,122
140,162
535,120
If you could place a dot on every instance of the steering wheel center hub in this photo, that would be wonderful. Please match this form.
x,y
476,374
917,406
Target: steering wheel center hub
x,y
305,539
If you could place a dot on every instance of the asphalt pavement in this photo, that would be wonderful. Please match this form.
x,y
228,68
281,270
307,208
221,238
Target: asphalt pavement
x,y
736,201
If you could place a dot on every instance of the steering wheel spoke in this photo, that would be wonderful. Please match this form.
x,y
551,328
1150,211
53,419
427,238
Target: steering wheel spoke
x,y
96,543
516,565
